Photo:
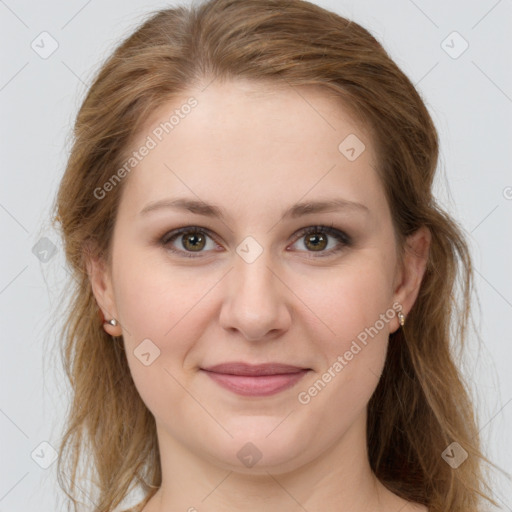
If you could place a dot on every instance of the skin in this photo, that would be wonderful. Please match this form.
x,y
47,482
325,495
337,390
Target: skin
x,y
255,150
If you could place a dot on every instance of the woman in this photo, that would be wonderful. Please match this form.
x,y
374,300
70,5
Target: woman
x,y
262,314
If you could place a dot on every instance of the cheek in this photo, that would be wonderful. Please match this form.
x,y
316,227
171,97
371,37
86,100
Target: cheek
x,y
357,307
352,360
171,307
348,300
155,299
159,303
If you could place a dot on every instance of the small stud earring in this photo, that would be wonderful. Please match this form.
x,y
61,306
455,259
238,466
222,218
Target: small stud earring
x,y
112,322
401,318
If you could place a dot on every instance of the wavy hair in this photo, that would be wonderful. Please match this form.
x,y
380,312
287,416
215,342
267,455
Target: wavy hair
x,y
421,404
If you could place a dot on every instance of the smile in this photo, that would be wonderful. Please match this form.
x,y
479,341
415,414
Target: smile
x,y
255,380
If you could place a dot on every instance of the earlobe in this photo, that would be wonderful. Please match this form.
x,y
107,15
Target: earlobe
x,y
101,284
112,327
416,253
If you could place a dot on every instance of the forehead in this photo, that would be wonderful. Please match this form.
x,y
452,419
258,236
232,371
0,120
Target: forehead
x,y
255,145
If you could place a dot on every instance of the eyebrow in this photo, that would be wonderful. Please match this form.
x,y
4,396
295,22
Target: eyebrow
x,y
295,211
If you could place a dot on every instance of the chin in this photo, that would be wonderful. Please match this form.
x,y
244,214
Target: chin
x,y
258,447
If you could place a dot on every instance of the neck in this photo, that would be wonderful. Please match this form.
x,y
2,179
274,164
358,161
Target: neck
x,y
339,479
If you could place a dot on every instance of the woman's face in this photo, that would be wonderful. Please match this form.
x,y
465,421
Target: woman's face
x,y
246,284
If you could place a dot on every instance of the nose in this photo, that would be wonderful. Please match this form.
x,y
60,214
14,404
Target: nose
x,y
256,301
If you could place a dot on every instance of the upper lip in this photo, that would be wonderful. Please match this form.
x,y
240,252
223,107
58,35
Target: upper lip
x,y
240,368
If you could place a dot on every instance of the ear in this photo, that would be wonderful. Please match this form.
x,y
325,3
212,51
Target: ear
x,y
408,279
101,284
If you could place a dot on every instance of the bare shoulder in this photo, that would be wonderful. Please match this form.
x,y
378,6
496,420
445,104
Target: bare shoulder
x,y
397,504
410,506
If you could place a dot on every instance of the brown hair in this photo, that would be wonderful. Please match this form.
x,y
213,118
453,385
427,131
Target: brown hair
x,y
421,403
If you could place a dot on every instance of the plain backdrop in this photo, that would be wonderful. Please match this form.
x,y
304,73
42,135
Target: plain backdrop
x,y
457,53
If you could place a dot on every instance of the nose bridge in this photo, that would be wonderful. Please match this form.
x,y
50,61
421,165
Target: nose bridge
x,y
256,301
253,277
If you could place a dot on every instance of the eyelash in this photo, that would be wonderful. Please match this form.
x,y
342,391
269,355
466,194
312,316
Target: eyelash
x,y
343,238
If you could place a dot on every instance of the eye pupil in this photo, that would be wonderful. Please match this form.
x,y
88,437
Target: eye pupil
x,y
195,241
319,241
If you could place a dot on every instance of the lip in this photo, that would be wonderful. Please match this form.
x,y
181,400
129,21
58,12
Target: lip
x,y
255,380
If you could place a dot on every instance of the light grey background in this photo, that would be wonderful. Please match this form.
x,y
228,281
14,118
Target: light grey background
x,y
470,98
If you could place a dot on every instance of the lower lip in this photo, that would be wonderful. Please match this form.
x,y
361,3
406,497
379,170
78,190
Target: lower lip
x,y
250,385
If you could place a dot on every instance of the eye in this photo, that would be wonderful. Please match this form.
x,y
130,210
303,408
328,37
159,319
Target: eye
x,y
194,239
316,238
